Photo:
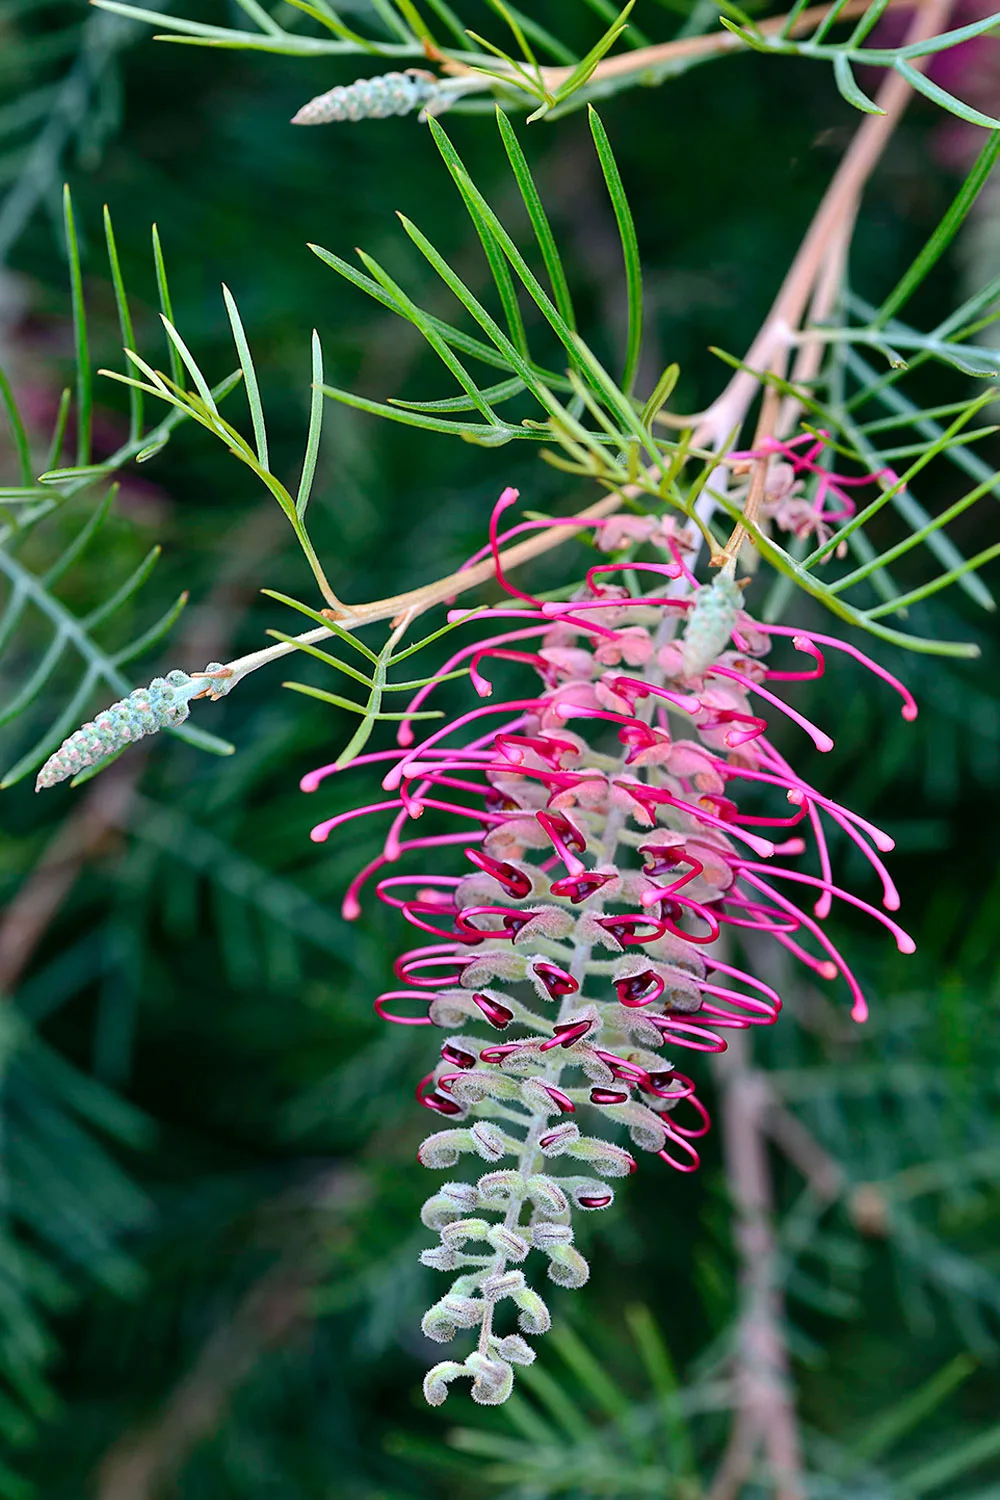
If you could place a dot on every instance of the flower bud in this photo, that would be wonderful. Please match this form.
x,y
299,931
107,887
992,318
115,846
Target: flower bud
x,y
514,1246
489,1142
561,1138
454,1311
546,1236
609,1160
547,1196
493,1379
437,1380
534,1316
502,1284
590,1195
514,1350
460,1230
444,1148
439,1258
496,1189
567,1266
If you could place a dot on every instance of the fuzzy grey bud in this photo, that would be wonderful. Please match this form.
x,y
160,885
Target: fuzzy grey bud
x,y
567,1266
496,1189
437,1380
547,1196
545,1236
490,1142
460,1230
514,1350
534,1316
514,1246
493,1379
710,623
369,99
503,1284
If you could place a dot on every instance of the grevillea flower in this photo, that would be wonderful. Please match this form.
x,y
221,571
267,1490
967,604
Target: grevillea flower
x,y
784,500
605,856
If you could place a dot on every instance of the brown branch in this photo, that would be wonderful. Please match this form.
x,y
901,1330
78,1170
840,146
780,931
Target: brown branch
x,y
765,1417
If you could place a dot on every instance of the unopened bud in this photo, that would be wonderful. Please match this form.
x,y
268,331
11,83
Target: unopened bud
x,y
546,1235
567,1266
560,1139
490,1142
496,1189
610,1161
505,1284
514,1350
437,1380
459,1231
534,1316
514,1246
493,1379
547,1196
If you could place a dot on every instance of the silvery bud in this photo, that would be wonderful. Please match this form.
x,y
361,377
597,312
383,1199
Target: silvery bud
x,y
514,1350
493,1379
547,1196
567,1266
490,1142
559,1139
437,1380
497,1189
450,1201
512,1245
455,1234
439,1258
545,1236
534,1315
441,1321
503,1284
443,1148
609,1160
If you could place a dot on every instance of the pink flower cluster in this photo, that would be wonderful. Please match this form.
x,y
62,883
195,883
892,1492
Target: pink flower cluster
x,y
609,865
790,462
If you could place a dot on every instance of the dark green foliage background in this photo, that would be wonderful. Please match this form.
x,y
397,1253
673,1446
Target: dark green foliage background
x,y
199,967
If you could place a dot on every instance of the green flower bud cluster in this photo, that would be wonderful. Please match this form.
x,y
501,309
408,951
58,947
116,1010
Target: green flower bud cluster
x,y
165,703
370,99
710,623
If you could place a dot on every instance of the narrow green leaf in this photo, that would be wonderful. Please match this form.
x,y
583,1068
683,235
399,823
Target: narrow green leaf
x,y
357,708
867,22
828,22
249,377
935,1472
416,316
938,95
257,13
84,388
200,383
315,429
539,219
943,234
586,66
318,619
323,656
493,394
936,585
59,429
900,1419
491,436
124,592
21,444
630,246
848,86
153,636
166,306
135,403
81,541
662,392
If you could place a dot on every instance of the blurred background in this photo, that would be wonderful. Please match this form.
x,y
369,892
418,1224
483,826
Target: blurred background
x,y
209,1202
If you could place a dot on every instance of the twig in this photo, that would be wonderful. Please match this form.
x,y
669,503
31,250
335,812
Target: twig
x,y
765,1416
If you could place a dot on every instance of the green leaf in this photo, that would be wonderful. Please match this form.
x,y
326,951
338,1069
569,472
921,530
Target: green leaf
x,y
84,387
135,403
249,377
315,429
630,247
